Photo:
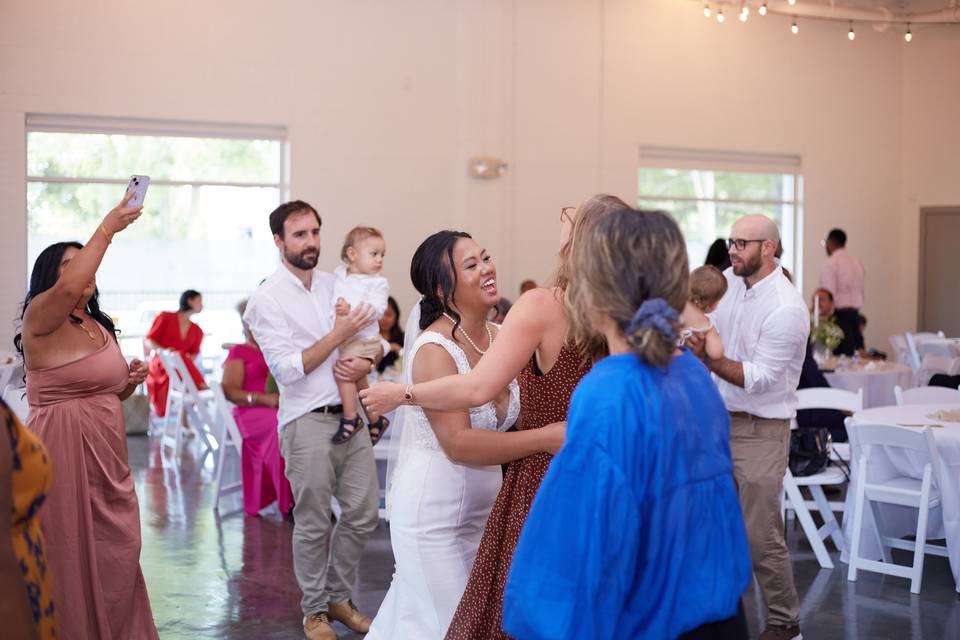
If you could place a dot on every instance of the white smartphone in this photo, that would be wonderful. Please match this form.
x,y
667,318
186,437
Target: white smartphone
x,y
138,185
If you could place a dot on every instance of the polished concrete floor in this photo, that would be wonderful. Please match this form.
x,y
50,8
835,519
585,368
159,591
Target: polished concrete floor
x,y
232,577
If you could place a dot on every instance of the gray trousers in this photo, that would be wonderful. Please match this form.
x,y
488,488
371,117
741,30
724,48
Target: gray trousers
x,y
318,470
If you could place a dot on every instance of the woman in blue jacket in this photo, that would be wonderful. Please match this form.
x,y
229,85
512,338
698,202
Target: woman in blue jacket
x,y
636,531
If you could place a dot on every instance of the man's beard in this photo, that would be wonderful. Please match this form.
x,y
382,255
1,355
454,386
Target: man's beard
x,y
749,267
302,260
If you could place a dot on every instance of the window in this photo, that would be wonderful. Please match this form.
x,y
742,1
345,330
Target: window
x,y
205,217
707,191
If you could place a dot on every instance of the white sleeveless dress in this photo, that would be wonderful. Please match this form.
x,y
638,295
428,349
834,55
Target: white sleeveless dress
x,y
438,512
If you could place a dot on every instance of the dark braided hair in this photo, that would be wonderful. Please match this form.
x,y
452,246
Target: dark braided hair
x,y
46,272
435,277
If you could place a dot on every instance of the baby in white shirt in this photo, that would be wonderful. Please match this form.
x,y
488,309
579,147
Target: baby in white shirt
x,y
358,280
707,286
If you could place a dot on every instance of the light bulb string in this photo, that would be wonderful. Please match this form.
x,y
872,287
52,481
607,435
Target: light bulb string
x,y
905,24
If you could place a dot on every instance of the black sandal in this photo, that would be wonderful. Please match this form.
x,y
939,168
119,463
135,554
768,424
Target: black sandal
x,y
347,429
377,428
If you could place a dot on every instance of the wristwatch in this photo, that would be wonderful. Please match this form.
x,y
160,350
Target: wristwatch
x,y
408,394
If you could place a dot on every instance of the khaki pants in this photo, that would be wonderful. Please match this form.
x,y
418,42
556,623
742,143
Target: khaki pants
x,y
318,470
760,449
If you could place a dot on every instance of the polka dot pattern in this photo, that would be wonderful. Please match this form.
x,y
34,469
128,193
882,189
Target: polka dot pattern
x,y
544,399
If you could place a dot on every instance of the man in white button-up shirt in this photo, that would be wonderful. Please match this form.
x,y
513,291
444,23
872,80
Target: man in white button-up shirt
x,y
842,275
763,324
290,317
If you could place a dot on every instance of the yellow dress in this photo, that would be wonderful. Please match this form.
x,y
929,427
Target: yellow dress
x,y
32,476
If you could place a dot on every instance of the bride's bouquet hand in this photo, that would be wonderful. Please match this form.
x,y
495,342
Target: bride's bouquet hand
x,y
382,397
554,435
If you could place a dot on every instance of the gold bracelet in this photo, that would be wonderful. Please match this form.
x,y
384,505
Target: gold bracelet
x,y
105,234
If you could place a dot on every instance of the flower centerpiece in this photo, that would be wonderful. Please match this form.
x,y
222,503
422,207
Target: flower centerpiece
x,y
827,335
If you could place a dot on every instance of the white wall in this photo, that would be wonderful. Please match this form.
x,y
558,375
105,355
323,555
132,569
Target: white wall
x,y
384,103
931,143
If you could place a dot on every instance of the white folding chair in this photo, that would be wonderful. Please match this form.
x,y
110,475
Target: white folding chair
x,y
829,398
792,499
230,439
16,398
189,401
900,350
913,355
926,395
940,348
883,486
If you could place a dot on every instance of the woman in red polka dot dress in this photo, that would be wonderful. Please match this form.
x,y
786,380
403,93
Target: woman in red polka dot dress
x,y
533,346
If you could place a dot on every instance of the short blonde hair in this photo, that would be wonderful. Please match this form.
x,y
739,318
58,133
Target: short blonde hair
x,y
620,261
707,286
357,235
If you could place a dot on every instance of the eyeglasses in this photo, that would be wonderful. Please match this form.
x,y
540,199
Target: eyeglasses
x,y
566,214
740,243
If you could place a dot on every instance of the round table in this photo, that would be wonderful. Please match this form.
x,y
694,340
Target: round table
x,y
899,520
877,379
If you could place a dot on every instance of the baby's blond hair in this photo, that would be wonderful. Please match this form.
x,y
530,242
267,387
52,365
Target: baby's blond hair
x,y
355,237
707,286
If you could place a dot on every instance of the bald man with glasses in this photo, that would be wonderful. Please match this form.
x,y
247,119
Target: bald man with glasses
x,y
764,324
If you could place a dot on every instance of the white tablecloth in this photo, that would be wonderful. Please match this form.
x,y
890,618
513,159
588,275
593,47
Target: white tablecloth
x,y
899,521
877,379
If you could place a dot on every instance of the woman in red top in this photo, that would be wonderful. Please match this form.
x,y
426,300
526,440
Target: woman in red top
x,y
174,330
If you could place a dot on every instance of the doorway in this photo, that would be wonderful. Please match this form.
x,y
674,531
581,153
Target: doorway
x,y
939,300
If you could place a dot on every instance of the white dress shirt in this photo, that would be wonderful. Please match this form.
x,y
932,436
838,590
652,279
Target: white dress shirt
x,y
766,328
357,288
842,275
285,319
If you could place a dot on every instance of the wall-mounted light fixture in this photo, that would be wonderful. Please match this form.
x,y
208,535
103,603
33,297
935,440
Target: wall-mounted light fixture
x,y
486,167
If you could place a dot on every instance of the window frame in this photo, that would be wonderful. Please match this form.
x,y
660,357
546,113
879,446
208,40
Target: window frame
x,y
690,159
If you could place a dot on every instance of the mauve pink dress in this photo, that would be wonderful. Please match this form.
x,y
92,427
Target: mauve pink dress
x,y
91,519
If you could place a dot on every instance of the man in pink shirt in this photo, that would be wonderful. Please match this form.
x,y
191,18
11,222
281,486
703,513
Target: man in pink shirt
x,y
842,275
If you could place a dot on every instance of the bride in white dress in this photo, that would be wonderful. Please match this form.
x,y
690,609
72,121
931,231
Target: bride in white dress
x,y
446,475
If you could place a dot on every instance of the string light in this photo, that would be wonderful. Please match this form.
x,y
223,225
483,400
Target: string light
x,y
794,28
763,8
791,2
744,14
850,34
720,17
706,10
908,36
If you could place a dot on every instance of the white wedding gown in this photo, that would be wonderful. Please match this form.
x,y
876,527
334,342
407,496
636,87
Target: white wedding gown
x,y
438,511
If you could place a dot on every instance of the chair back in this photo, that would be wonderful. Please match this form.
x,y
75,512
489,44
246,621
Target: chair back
x,y
938,347
167,360
900,351
913,355
926,395
225,413
180,367
827,398
920,442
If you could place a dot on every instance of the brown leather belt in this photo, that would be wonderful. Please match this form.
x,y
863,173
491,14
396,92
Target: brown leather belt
x,y
750,416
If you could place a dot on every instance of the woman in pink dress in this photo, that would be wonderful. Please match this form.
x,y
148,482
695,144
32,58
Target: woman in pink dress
x,y
76,380
245,385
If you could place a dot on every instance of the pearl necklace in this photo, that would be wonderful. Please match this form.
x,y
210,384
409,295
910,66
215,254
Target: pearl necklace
x,y
467,336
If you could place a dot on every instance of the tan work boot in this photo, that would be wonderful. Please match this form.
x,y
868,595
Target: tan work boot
x,y
349,615
316,626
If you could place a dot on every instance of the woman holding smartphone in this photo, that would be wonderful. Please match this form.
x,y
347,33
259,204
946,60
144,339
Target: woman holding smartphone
x,y
76,380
